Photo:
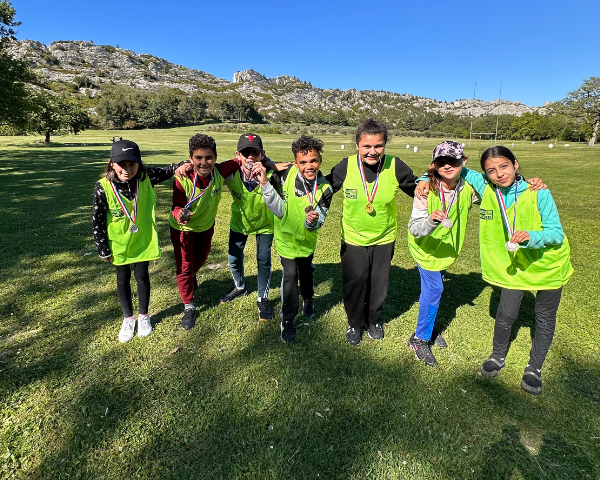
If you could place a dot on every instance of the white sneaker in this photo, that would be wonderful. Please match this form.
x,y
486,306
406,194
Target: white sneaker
x,y
127,329
144,325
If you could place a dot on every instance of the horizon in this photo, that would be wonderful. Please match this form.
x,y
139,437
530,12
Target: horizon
x,y
522,78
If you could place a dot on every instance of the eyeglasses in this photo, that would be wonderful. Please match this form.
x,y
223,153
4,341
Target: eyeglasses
x,y
251,152
453,162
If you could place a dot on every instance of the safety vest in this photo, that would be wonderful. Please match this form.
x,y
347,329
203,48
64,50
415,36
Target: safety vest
x,y
249,213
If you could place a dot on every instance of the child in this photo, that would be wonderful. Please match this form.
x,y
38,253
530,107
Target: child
x,y
300,198
370,181
523,248
435,239
192,218
124,225
249,216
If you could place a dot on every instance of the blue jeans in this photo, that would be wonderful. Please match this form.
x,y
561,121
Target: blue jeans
x,y
235,258
432,287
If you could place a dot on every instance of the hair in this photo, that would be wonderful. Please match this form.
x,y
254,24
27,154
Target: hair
x,y
110,174
305,144
200,140
370,126
434,178
495,152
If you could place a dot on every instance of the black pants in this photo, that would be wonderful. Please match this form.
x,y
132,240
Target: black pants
x,y
546,306
365,276
292,270
140,270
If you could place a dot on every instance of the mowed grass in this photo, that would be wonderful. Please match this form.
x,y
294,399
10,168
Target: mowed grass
x,y
228,399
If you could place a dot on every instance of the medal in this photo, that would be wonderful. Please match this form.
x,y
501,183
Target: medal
x,y
194,197
446,222
369,206
186,212
510,246
309,209
310,195
250,180
133,228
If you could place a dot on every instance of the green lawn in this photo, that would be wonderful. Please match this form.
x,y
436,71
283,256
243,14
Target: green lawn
x,y
228,399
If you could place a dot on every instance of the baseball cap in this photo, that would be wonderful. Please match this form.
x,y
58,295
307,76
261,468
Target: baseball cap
x,y
123,150
249,140
448,148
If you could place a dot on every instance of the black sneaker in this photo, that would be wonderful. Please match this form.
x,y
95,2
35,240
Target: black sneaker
x,y
491,366
532,380
376,331
233,294
422,350
354,335
189,318
288,331
308,307
264,310
437,339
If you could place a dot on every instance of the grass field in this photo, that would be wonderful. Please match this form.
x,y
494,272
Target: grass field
x,y
228,399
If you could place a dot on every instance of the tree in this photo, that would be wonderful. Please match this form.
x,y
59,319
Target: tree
x,y
583,104
55,115
193,108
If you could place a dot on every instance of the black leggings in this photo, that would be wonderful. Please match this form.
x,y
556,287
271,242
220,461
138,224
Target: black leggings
x,y
292,270
140,270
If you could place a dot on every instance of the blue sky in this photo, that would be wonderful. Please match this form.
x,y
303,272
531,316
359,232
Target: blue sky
x,y
538,50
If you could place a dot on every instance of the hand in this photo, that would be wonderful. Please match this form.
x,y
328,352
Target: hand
x,y
181,218
312,217
282,166
185,170
260,173
437,216
536,184
520,236
108,259
422,189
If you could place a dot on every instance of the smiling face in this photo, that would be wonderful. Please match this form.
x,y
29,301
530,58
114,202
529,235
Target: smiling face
x,y
308,163
501,171
126,170
371,148
204,160
448,168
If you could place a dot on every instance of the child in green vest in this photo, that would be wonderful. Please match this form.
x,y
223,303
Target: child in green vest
x,y
523,248
436,235
124,226
299,198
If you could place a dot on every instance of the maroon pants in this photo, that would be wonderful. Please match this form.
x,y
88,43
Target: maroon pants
x,y
191,250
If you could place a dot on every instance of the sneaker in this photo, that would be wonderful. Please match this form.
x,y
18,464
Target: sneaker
x,y
288,331
438,340
144,325
376,331
233,294
264,310
353,335
492,366
127,329
532,380
189,318
422,350
308,307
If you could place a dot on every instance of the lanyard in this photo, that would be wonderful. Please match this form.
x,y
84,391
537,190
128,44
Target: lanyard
x,y
511,231
361,170
133,216
445,210
194,198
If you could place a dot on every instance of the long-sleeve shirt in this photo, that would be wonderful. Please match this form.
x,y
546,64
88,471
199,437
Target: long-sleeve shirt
x,y
273,195
156,175
552,231
404,175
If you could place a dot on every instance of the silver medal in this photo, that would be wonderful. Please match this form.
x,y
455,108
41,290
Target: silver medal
x,y
512,246
186,212
447,223
134,228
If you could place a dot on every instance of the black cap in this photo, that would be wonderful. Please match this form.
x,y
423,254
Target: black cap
x,y
249,140
123,150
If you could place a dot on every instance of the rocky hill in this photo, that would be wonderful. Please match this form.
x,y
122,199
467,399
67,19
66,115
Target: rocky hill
x,y
62,61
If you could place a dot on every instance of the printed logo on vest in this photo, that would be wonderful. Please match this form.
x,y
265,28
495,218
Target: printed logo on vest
x,y
216,191
237,195
117,212
486,214
351,193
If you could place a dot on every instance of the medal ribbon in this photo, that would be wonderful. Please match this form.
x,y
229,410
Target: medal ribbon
x,y
502,205
250,182
361,170
445,210
194,198
311,198
122,204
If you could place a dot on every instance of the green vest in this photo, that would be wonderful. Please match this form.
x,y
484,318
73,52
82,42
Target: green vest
x,y
546,268
127,247
249,213
292,238
204,209
440,248
379,227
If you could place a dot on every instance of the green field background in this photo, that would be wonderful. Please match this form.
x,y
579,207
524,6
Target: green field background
x,y
228,399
